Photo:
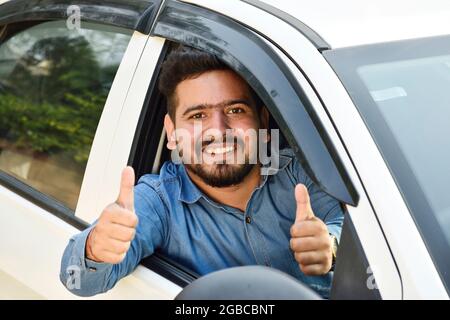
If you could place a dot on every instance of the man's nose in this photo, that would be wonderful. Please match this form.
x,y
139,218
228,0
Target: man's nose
x,y
219,121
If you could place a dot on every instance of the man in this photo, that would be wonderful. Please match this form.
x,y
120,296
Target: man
x,y
211,214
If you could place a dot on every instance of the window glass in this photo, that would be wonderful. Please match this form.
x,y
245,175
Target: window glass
x,y
53,86
401,90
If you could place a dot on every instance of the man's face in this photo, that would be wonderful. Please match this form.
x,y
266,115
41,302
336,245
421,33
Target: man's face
x,y
216,124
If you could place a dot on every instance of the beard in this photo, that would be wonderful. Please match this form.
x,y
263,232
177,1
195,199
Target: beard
x,y
221,175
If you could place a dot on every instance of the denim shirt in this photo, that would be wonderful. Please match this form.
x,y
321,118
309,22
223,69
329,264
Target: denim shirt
x,y
184,224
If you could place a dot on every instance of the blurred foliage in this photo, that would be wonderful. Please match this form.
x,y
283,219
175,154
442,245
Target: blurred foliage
x,y
52,101
51,128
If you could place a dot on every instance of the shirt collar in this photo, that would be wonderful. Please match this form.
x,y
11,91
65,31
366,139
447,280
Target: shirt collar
x,y
283,162
189,192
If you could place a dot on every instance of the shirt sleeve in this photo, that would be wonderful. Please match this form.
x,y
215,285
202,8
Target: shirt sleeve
x,y
85,277
325,207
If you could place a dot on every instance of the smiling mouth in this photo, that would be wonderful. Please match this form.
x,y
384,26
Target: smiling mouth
x,y
217,150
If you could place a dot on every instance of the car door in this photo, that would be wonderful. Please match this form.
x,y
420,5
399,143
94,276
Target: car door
x,y
258,45
65,72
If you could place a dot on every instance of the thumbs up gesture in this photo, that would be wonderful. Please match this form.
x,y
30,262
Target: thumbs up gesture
x,y
111,237
310,240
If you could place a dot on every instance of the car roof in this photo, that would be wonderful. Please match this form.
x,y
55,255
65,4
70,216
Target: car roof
x,y
343,23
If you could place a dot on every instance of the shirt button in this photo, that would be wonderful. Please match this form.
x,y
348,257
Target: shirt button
x,y
248,219
92,269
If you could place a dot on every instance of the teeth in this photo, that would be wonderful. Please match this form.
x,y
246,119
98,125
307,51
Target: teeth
x,y
219,150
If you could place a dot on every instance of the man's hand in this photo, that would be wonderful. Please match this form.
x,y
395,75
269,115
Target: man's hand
x,y
111,237
310,240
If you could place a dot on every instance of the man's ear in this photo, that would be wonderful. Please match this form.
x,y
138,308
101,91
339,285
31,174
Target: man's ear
x,y
170,130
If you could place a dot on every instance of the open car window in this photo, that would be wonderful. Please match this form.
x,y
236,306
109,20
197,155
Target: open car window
x,y
224,38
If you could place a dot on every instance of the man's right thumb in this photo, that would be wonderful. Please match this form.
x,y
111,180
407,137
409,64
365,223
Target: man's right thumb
x,y
126,195
304,210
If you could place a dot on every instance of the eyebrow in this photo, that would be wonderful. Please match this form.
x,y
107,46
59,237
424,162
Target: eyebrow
x,y
218,105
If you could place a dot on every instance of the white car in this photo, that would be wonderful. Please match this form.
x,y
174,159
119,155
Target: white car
x,y
359,89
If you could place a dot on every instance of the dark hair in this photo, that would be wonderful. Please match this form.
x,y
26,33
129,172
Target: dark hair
x,y
184,62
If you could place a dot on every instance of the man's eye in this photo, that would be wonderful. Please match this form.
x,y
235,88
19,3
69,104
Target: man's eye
x,y
236,110
197,116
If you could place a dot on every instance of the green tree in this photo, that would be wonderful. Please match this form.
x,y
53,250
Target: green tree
x,y
53,99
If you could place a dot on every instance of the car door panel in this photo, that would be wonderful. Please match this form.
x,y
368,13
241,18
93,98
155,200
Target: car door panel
x,y
353,278
30,254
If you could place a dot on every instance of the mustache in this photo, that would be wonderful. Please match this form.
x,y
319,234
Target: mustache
x,y
201,144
